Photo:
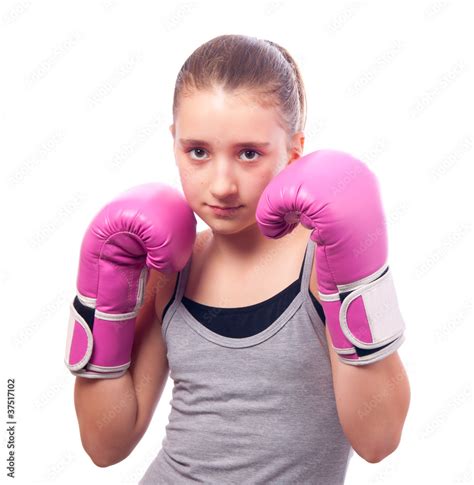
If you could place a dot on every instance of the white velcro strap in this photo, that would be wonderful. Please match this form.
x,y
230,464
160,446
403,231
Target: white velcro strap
x,y
100,368
115,317
99,375
86,300
383,313
144,274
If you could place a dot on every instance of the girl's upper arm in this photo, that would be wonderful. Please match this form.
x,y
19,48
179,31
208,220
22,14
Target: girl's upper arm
x,y
149,367
335,362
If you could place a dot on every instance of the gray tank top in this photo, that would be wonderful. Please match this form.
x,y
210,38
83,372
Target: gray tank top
x,y
253,410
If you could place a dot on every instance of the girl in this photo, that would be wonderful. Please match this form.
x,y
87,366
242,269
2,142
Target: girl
x,y
259,394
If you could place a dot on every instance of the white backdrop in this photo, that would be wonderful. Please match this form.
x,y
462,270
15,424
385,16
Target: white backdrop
x,y
85,103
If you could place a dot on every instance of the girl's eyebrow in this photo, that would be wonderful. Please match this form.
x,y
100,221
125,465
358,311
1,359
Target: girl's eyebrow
x,y
191,141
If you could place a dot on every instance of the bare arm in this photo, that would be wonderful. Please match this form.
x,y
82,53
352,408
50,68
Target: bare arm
x,y
372,403
113,414
372,400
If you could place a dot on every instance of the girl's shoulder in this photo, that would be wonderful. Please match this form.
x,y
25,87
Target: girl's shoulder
x,y
202,239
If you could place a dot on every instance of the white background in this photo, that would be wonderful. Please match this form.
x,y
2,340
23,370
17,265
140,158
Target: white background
x,y
85,103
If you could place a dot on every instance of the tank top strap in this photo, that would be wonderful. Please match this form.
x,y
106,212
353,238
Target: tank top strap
x,y
182,280
178,293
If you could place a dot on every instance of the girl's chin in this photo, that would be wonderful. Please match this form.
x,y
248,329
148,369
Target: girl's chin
x,y
230,226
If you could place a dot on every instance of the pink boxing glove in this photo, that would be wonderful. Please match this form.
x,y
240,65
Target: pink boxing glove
x,y
338,197
148,226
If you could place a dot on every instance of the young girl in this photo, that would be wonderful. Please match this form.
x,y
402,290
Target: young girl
x,y
259,394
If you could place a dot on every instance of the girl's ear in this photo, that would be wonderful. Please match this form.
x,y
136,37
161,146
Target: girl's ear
x,y
297,146
299,142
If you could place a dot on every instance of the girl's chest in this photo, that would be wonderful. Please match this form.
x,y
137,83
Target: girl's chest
x,y
220,285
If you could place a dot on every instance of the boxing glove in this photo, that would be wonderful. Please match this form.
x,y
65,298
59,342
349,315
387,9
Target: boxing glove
x,y
337,197
148,226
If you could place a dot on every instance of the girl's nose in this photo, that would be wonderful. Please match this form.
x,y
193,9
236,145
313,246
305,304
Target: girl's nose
x,y
223,183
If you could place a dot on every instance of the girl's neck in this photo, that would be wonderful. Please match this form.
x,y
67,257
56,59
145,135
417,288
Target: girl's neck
x,y
249,245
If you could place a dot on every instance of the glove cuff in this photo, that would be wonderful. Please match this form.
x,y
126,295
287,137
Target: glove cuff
x,y
369,315
364,319
98,345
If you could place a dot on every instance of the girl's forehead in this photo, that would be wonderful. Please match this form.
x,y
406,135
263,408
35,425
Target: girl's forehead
x,y
208,112
220,99
226,118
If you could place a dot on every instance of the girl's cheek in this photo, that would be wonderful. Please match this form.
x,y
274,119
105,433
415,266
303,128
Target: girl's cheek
x,y
189,177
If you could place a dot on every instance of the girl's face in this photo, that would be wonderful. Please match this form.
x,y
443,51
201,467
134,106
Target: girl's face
x,y
227,149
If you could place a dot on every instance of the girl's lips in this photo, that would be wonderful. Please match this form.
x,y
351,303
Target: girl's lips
x,y
224,211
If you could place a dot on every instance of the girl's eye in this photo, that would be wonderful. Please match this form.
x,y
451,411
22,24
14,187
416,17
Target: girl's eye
x,y
199,150
251,151
199,154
